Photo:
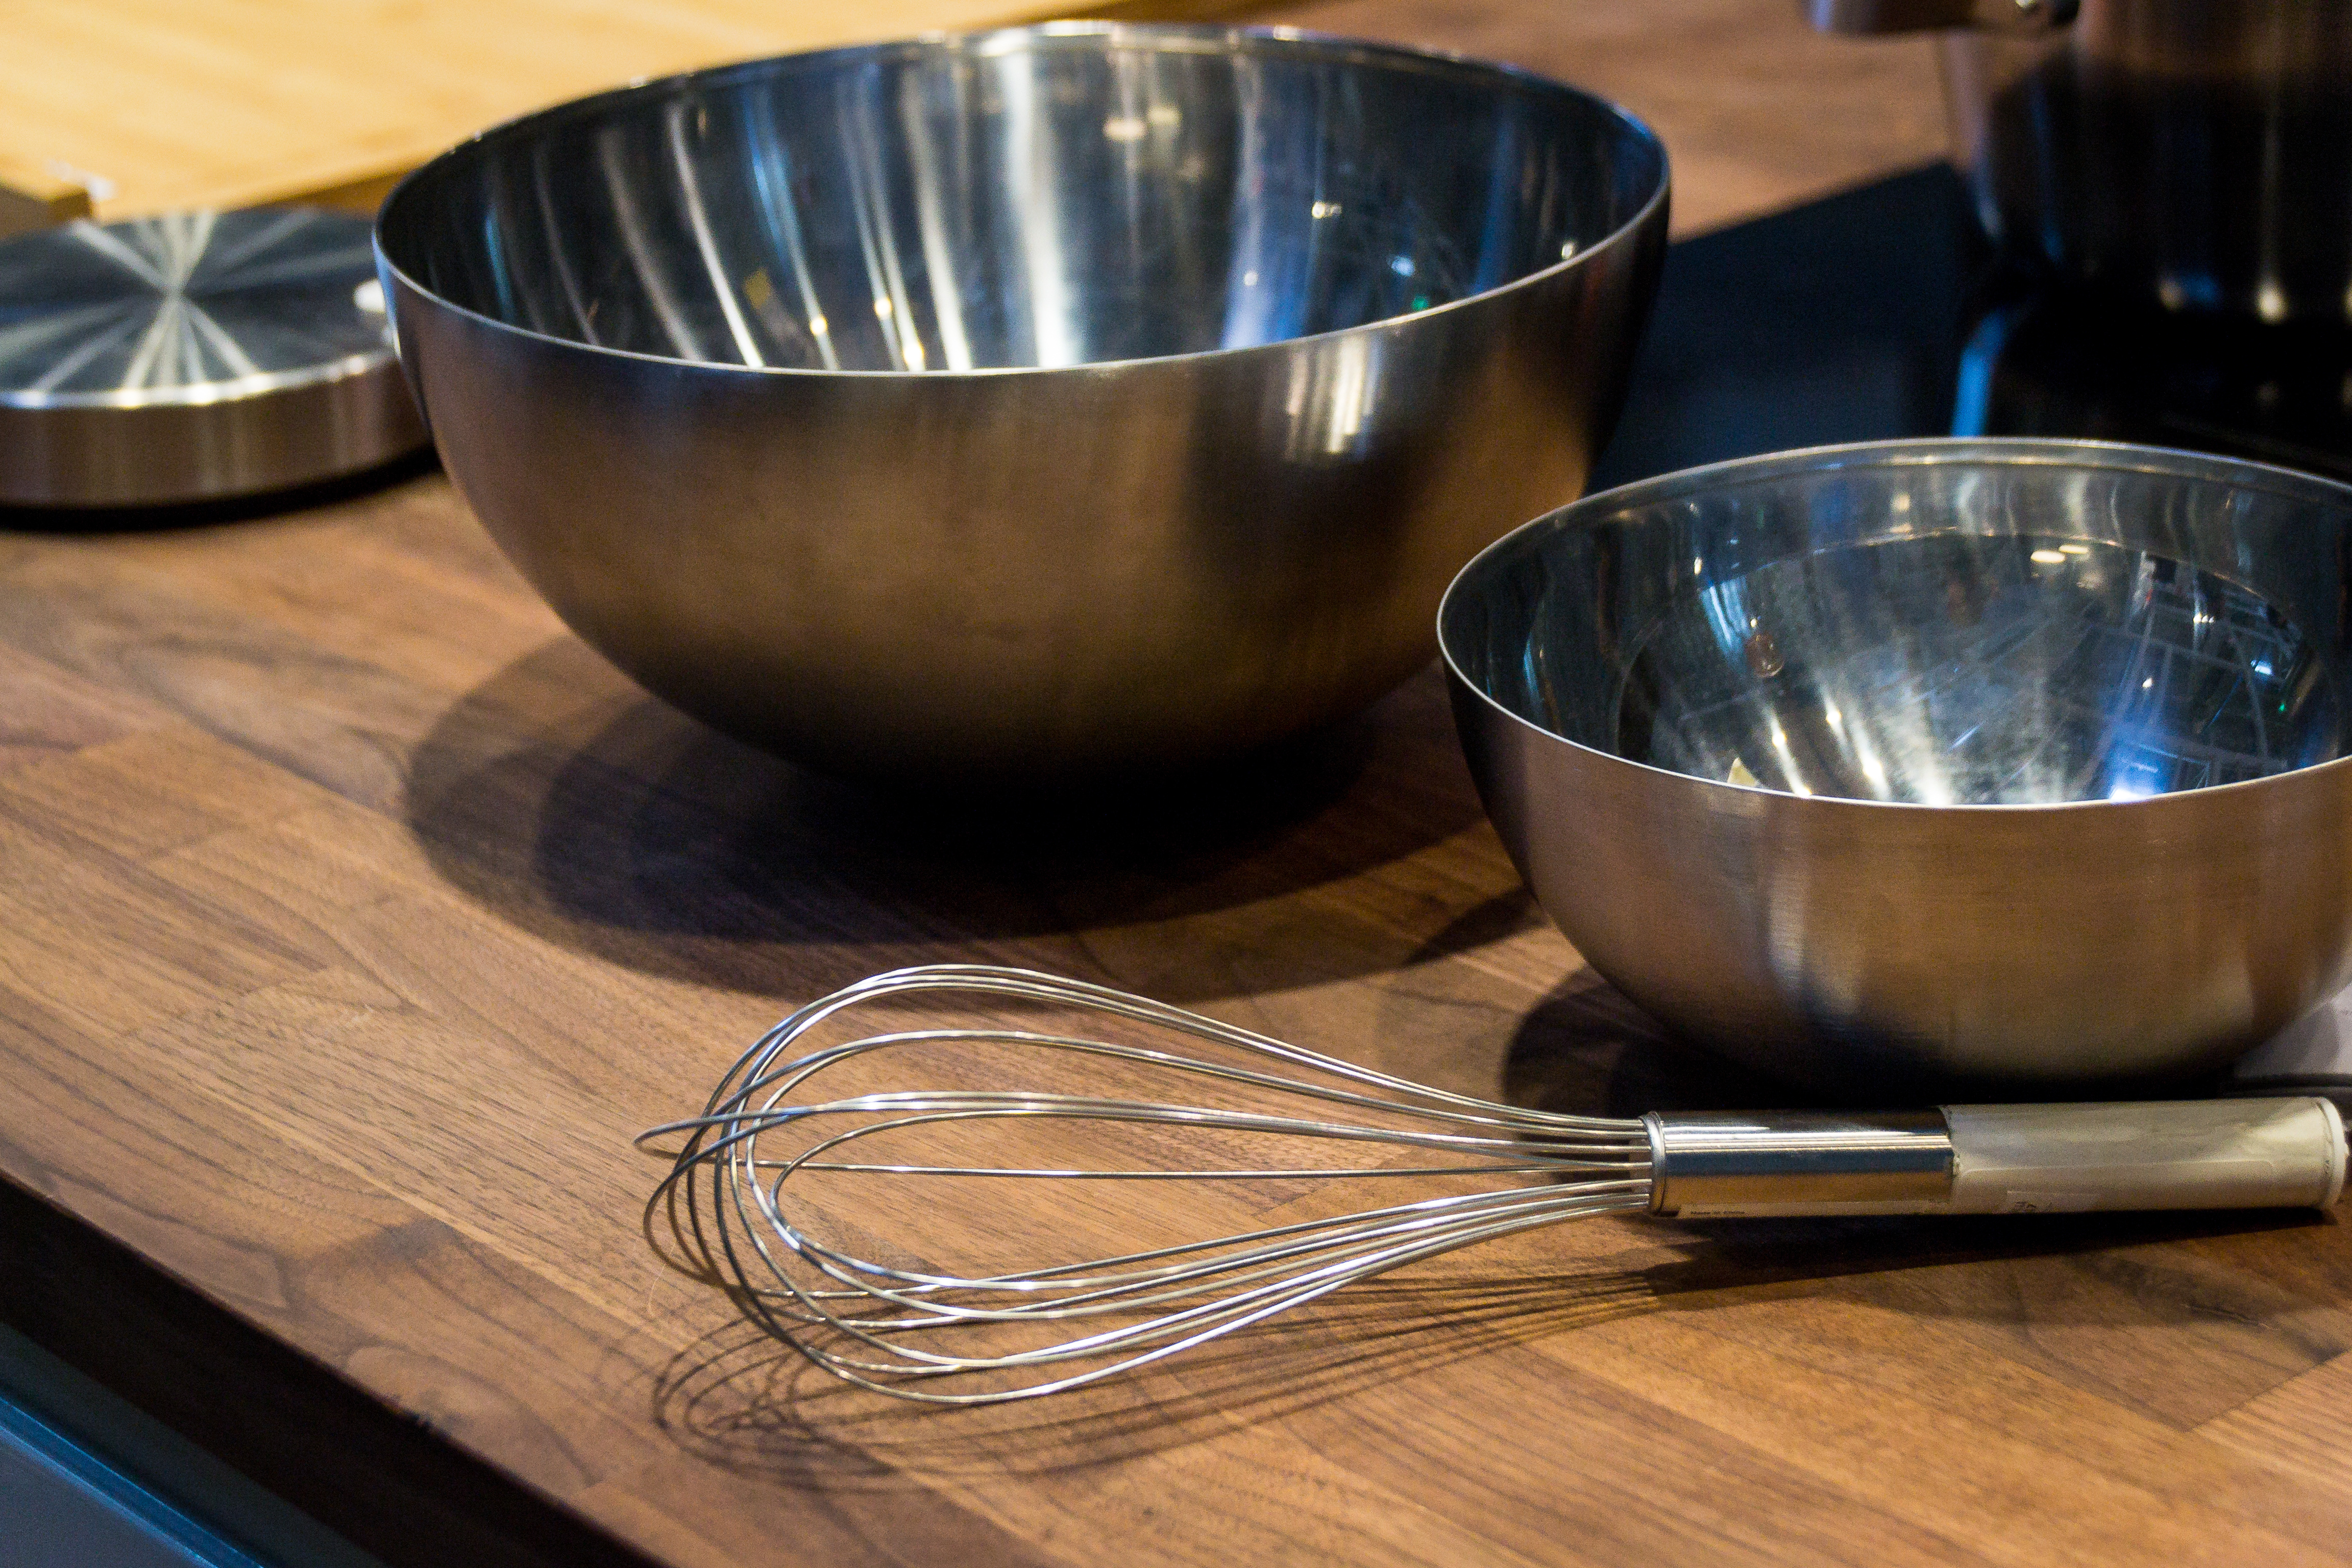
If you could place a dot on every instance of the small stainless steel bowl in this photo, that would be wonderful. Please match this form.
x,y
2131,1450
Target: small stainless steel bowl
x,y
1921,763
1063,400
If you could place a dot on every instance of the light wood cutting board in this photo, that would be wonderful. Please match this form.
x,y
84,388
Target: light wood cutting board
x,y
117,107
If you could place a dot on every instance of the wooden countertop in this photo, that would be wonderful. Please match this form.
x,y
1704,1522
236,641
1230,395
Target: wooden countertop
x,y
352,916
122,108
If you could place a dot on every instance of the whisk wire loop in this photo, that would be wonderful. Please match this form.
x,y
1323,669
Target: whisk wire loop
x,y
749,1174
890,1327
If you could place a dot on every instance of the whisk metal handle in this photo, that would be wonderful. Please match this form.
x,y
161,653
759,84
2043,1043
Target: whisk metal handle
x,y
2000,1158
2168,1155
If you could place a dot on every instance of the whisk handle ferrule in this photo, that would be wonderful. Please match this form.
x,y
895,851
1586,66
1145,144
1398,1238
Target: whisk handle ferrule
x,y
1735,1164
2000,1158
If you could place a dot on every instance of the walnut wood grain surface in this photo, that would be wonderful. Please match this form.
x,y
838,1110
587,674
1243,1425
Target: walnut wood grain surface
x,y
352,916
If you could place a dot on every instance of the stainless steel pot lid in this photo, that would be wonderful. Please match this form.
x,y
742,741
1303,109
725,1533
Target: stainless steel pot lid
x,y
193,357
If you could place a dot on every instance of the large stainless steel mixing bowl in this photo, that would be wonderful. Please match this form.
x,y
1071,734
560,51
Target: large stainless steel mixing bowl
x,y
1058,400
1930,760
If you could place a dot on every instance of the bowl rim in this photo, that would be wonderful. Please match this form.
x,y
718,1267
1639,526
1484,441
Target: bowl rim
x,y
1169,37
1919,451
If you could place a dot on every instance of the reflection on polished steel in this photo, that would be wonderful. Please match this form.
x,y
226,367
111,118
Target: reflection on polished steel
x,y
192,356
1045,402
1956,669
2194,151
1886,760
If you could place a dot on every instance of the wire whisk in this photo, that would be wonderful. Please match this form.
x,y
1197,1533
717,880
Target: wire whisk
x,y
877,1314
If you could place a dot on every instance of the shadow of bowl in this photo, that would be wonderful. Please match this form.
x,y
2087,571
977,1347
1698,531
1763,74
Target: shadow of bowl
x,y
559,796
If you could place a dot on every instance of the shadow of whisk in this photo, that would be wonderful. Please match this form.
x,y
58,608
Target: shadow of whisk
x,y
750,1396
749,1399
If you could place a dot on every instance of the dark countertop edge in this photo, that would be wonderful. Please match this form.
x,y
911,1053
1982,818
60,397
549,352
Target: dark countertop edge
x,y
385,1482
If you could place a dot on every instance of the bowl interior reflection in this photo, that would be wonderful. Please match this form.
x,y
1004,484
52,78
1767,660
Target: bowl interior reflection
x,y
1956,632
1051,198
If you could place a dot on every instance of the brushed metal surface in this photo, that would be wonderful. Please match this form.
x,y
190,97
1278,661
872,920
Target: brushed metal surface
x,y
191,357
2189,1154
1033,404
1941,907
